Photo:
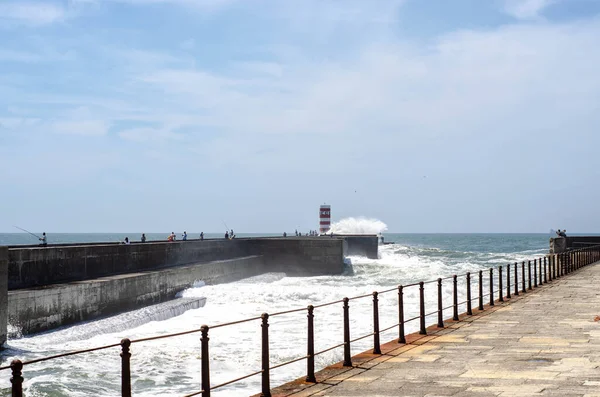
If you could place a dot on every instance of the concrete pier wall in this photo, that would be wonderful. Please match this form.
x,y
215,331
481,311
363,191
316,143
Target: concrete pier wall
x,y
59,285
562,244
3,293
40,309
39,266
361,245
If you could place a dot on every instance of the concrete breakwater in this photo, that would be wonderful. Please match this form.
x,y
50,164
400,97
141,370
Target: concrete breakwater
x,y
59,285
562,244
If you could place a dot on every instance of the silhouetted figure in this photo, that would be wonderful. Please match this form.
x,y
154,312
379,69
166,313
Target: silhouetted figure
x,y
201,235
284,234
126,241
43,239
184,236
143,239
226,235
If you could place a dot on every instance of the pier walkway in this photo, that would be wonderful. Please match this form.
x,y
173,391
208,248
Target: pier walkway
x,y
544,342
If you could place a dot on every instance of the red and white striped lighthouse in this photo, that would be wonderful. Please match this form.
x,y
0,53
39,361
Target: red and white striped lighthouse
x,y
324,218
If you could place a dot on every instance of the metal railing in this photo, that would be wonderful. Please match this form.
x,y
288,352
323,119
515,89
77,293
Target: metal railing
x,y
539,272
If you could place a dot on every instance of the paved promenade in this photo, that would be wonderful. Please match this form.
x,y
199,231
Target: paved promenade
x,y
545,342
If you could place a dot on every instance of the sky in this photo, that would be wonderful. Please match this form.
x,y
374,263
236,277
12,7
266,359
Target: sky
x,y
429,115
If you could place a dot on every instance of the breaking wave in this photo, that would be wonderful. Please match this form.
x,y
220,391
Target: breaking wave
x,y
360,225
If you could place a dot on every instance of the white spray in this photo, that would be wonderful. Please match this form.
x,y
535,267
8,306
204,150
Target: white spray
x,y
360,225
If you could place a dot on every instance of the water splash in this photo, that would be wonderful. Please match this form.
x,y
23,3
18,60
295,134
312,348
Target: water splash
x,y
360,225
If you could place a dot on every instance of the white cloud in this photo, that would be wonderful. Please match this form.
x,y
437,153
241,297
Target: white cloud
x,y
84,128
32,13
149,135
527,9
18,56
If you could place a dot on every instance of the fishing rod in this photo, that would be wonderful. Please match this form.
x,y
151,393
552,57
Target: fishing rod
x,y
27,231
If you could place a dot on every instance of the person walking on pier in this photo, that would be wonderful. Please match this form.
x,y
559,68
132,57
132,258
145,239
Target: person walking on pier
x,y
43,239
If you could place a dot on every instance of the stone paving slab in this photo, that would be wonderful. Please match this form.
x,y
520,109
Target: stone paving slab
x,y
542,343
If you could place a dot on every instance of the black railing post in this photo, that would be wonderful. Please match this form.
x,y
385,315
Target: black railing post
x,y
401,336
310,348
546,278
440,323
516,279
455,296
16,379
347,356
125,368
559,264
500,288
540,272
508,281
376,344
535,273
469,308
266,381
481,290
529,281
523,277
491,286
423,330
204,363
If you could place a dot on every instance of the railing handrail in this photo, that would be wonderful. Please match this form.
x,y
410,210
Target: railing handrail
x,y
554,266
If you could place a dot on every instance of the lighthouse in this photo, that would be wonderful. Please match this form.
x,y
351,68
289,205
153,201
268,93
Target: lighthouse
x,y
324,218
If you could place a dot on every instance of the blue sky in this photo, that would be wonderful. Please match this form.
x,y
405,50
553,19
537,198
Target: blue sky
x,y
433,116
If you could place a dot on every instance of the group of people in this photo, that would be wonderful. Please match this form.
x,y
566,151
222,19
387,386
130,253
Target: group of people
x,y
561,233
170,238
311,233
229,235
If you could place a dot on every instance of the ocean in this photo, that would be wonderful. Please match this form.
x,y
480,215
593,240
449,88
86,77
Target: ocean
x,y
172,366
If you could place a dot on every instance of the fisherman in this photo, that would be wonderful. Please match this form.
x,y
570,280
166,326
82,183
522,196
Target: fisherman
x,y
296,232
201,235
171,237
126,242
184,236
284,234
226,235
231,234
143,239
43,239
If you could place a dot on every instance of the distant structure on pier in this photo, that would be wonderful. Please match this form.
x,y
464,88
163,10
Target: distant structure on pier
x,y
324,218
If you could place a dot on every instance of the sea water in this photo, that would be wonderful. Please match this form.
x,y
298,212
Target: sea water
x,y
171,367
